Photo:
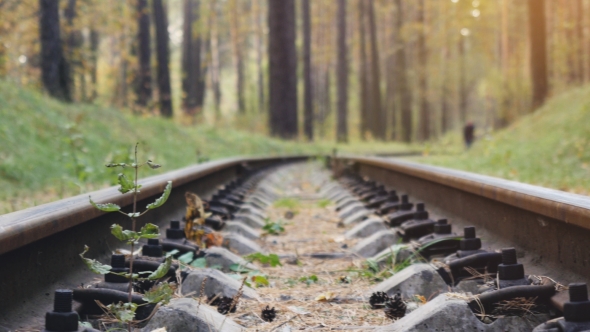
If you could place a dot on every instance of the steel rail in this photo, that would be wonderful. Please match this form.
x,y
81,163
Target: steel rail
x,y
39,245
551,225
23,227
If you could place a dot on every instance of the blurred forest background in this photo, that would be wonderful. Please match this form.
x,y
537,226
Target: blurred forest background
x,y
223,75
401,70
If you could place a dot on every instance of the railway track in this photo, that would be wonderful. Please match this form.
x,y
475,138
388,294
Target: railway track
x,y
333,249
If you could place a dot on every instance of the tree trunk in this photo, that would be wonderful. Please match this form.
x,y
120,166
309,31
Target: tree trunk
x,y
538,51
191,60
579,8
163,56
143,87
391,98
258,36
215,65
94,42
236,41
379,123
365,109
462,82
307,87
402,79
342,75
422,83
445,60
53,64
282,68
73,43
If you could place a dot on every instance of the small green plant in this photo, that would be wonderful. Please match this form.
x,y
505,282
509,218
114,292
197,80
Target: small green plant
x,y
312,279
273,228
255,276
125,312
323,203
271,259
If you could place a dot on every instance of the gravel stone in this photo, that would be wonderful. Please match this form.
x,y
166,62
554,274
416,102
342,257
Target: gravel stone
x,y
224,258
217,283
242,229
240,244
181,315
453,315
417,279
366,228
375,243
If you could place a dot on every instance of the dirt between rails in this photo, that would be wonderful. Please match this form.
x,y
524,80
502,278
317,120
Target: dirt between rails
x,y
337,299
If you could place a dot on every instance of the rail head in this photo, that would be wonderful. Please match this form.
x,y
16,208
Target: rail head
x,y
26,226
567,207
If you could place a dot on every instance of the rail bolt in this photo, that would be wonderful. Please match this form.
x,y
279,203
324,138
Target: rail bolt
x,y
578,308
421,213
469,241
153,248
118,266
442,227
510,269
174,232
62,318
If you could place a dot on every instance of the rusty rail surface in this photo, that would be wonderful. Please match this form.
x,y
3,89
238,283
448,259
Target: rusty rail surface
x,y
552,226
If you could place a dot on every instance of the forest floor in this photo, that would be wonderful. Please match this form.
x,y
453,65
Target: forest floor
x,y
549,148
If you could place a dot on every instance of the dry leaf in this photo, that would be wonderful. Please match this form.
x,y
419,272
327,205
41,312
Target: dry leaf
x,y
421,298
213,240
326,296
161,329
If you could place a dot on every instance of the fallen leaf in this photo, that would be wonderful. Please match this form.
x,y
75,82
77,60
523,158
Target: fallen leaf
x,y
213,240
161,329
326,296
421,298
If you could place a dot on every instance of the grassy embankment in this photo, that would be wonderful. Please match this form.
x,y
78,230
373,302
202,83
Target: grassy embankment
x,y
550,147
52,150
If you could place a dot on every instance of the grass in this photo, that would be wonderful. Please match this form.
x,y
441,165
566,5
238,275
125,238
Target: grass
x,y
550,147
51,150
287,202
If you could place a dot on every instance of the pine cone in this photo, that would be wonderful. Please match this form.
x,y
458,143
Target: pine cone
x,y
225,305
395,308
268,315
216,300
378,299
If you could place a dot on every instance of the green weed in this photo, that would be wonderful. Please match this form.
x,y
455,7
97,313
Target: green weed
x,y
323,203
125,312
273,228
288,202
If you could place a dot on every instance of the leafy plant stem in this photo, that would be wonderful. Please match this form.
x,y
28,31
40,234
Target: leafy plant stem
x,y
130,298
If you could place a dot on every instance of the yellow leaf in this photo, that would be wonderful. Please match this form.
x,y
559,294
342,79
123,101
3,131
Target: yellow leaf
x,y
326,296
421,298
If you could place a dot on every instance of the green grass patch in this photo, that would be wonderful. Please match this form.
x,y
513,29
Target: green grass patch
x,y
52,150
288,202
323,203
550,147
